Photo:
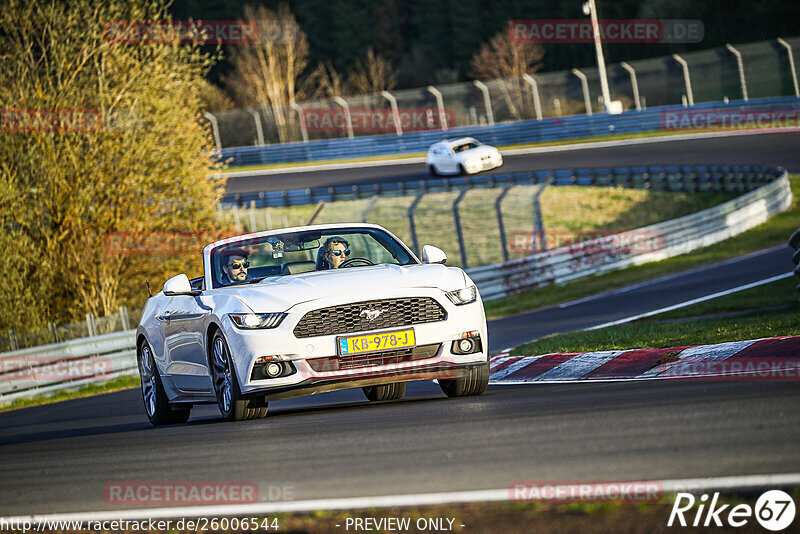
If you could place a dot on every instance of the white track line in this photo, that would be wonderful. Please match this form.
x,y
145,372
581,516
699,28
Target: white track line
x,y
419,499
669,277
693,301
510,152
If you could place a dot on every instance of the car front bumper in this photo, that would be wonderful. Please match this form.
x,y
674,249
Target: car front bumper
x,y
317,366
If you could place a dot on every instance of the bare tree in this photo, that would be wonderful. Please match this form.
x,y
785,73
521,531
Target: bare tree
x,y
140,166
372,74
267,72
324,81
506,60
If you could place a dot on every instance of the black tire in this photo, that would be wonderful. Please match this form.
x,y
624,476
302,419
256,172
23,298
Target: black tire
x,y
385,392
154,398
461,170
473,384
432,170
232,405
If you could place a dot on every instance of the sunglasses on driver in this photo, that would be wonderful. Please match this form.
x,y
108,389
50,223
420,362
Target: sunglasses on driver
x,y
239,264
346,252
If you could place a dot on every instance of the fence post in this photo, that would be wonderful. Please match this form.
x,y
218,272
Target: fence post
x,y
302,118
236,221
487,101
346,107
538,223
12,336
459,233
395,113
253,216
791,65
214,127
411,225
740,65
585,86
686,79
499,210
370,205
317,210
126,320
90,325
440,104
259,130
634,84
53,332
537,104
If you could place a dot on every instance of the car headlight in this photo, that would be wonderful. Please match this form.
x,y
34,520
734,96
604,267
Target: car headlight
x,y
253,321
463,296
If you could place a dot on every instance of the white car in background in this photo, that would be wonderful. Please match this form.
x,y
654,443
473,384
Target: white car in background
x,y
288,324
462,156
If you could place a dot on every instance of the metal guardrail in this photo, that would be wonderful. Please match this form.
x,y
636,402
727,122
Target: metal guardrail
x,y
62,366
656,178
634,247
69,365
527,131
794,242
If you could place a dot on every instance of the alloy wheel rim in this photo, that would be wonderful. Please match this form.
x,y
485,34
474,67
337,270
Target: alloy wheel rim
x,y
148,381
222,375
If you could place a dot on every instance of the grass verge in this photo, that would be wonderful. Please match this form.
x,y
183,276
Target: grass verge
x,y
122,382
764,311
775,231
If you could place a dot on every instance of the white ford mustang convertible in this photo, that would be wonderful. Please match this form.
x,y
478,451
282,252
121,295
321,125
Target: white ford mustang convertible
x,y
305,310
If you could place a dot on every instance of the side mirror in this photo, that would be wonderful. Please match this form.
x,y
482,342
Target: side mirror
x,y
431,254
179,285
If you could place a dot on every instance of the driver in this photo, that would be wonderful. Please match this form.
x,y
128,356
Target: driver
x,y
235,269
337,249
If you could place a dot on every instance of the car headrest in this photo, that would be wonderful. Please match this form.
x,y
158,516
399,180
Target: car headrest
x,y
295,267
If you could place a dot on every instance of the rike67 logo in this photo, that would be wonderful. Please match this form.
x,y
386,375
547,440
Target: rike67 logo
x,y
774,510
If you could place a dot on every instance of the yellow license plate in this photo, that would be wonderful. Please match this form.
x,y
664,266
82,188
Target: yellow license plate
x,y
373,342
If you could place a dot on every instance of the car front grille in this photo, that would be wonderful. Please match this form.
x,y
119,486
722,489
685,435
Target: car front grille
x,y
373,359
350,318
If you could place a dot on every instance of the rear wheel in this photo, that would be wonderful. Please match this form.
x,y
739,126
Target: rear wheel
x,y
156,404
473,384
384,392
232,405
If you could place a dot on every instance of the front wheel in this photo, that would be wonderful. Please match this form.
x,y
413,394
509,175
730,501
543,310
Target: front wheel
x,y
473,384
232,405
432,170
156,404
384,392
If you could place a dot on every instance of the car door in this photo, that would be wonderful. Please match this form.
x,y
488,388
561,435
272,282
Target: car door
x,y
182,324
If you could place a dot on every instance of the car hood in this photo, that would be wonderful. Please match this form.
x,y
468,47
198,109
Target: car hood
x,y
478,152
280,293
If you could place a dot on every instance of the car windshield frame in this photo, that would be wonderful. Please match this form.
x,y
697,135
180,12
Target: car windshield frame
x,y
304,246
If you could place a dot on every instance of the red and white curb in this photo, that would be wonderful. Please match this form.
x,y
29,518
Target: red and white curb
x,y
776,358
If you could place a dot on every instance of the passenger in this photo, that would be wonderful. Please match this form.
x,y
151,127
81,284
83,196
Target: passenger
x,y
235,269
333,253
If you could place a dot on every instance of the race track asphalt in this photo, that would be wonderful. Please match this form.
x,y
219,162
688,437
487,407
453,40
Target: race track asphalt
x,y
61,457
741,149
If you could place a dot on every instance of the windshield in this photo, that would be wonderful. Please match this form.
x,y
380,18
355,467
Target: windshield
x,y
251,260
466,146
